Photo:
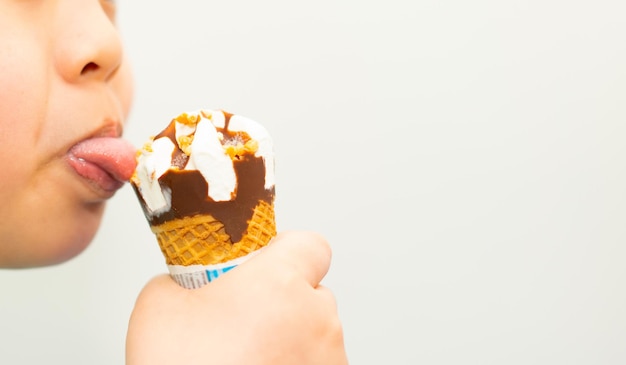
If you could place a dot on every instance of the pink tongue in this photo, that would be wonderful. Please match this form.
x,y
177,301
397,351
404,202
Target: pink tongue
x,y
114,155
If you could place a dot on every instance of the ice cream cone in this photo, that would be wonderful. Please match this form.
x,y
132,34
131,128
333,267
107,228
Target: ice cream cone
x,y
202,239
206,186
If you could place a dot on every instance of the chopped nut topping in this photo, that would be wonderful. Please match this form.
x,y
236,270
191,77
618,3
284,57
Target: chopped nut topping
x,y
184,143
240,145
147,147
188,119
234,151
251,146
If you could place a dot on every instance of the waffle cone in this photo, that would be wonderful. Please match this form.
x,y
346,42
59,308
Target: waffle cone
x,y
202,239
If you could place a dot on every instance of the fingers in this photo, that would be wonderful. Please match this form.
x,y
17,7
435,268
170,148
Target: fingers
x,y
307,253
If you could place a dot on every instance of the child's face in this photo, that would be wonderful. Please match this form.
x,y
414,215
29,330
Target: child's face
x,y
63,82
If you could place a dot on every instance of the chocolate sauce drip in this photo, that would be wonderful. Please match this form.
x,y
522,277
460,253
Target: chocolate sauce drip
x,y
227,116
169,132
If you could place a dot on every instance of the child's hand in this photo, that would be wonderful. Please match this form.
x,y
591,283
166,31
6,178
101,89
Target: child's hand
x,y
270,310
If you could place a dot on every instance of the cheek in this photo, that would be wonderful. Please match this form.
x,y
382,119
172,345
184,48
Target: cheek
x,y
24,83
22,112
123,86
23,98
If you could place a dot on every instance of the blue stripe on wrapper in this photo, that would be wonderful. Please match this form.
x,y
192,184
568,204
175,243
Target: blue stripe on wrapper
x,y
215,273
196,276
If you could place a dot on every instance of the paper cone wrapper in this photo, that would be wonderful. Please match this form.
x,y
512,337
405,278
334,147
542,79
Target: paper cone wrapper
x,y
198,250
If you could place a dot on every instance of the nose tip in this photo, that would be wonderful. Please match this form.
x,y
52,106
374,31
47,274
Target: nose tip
x,y
89,46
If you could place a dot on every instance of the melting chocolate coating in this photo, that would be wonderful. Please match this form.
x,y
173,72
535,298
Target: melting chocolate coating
x,y
189,191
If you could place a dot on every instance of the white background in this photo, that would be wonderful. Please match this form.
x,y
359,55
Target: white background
x,y
466,160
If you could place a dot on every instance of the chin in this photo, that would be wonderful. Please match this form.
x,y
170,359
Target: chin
x,y
55,242
69,244
67,250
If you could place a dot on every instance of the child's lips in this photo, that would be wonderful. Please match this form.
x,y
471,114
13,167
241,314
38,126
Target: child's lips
x,y
106,162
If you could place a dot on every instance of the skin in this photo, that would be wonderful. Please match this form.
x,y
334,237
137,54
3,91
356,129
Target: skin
x,y
64,81
68,82
270,310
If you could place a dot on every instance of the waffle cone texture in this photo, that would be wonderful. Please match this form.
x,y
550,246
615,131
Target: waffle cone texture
x,y
202,239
